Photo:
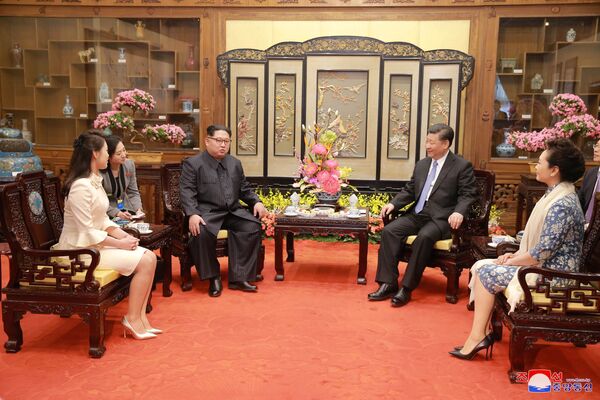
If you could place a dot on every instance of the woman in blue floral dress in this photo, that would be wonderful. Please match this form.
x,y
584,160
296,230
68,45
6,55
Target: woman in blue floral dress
x,y
553,239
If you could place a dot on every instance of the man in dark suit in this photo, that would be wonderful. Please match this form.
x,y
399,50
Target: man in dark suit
x,y
212,184
441,189
590,185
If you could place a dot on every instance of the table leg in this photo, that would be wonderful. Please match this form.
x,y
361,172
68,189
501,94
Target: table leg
x,y
289,246
278,254
165,253
363,240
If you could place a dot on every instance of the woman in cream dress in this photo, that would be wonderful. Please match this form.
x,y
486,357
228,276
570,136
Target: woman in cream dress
x,y
86,224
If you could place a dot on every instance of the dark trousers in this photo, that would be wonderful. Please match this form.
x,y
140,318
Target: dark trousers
x,y
243,244
393,240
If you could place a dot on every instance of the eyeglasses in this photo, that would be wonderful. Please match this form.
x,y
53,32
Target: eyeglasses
x,y
220,141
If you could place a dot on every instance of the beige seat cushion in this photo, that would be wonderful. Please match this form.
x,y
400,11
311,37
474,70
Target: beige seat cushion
x,y
444,245
540,299
103,275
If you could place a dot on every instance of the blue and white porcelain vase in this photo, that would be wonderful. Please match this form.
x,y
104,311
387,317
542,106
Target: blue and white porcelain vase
x,y
506,149
68,108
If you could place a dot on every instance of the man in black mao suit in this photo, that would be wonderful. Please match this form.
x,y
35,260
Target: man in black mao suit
x,y
441,189
590,185
211,186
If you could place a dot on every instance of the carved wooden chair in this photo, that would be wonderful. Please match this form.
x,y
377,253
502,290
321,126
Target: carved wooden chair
x,y
174,215
455,254
557,314
44,281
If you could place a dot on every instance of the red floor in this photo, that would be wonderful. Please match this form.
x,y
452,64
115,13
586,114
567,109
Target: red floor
x,y
313,336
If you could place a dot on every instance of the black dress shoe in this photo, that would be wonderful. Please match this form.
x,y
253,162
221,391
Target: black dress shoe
x,y
385,291
401,298
244,286
215,287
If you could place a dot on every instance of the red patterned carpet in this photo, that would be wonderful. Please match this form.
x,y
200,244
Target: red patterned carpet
x,y
313,336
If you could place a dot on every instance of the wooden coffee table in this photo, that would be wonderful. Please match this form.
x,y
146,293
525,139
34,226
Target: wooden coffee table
x,y
160,238
317,225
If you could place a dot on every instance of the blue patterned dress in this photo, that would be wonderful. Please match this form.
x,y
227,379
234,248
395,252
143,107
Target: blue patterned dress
x,y
559,247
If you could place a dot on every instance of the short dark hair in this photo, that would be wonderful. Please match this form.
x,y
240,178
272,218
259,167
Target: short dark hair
x,y
445,131
563,154
210,131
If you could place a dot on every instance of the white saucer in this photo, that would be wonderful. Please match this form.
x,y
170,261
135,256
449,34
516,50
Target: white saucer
x,y
294,214
143,233
353,216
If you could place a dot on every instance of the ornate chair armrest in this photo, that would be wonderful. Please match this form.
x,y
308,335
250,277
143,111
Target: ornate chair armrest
x,y
71,254
547,274
390,217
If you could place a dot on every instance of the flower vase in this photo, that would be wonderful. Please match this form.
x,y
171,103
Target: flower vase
x,y
68,107
17,55
506,149
190,63
326,199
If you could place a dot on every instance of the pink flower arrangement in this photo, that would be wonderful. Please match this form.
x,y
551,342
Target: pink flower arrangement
x,y
578,125
574,123
120,119
268,224
566,104
163,133
114,120
531,141
319,171
135,99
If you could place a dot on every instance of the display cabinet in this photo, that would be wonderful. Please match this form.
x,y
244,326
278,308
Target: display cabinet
x,y
48,64
538,58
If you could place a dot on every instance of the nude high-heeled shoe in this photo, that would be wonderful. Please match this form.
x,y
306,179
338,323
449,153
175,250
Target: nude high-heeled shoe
x,y
140,336
155,331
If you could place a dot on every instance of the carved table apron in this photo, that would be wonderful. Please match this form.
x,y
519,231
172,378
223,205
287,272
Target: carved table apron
x,y
327,225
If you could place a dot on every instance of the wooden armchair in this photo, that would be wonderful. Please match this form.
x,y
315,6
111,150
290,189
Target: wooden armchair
x,y
557,314
44,281
455,254
174,215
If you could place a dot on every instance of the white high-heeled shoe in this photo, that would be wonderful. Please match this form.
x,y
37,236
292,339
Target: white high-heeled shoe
x,y
155,331
140,336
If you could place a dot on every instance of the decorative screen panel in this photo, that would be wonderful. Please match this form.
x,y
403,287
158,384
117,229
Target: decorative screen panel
x,y
385,94
400,104
246,115
246,119
284,120
350,86
441,89
345,92
284,110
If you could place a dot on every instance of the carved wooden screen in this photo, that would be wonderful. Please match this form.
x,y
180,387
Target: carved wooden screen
x,y
387,95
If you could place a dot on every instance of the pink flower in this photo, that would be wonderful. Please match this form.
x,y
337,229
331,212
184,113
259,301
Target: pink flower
x,y
330,164
319,149
310,169
331,185
566,105
323,176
